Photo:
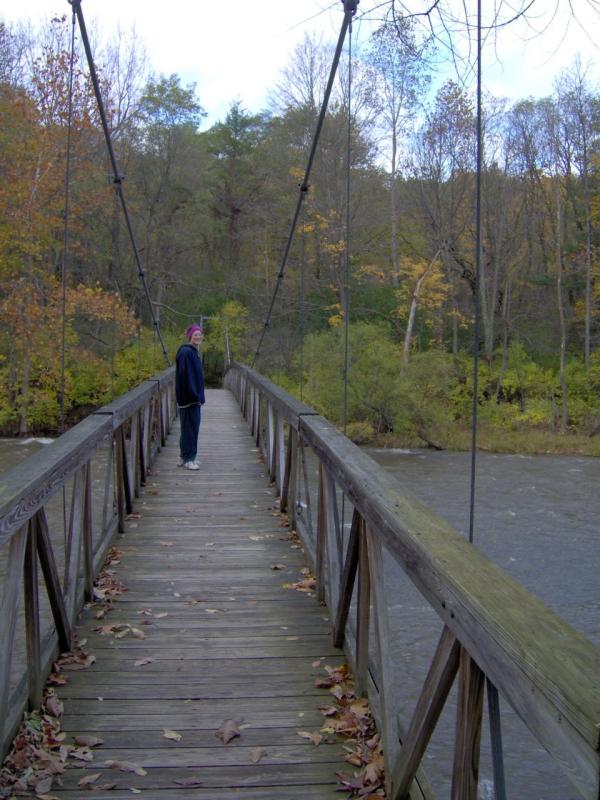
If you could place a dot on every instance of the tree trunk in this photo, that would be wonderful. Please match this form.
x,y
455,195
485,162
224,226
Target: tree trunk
x,y
561,315
413,309
393,212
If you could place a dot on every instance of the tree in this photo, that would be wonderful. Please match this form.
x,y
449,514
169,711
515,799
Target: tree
x,y
400,62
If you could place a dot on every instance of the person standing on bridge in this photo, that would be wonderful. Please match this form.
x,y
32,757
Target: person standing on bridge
x,y
189,391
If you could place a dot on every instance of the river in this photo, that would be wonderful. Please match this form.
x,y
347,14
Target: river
x,y
537,517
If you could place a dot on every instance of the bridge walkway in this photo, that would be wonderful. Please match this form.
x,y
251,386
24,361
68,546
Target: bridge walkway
x,y
223,640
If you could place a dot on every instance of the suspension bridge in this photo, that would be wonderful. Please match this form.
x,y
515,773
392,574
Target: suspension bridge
x,y
198,649
227,633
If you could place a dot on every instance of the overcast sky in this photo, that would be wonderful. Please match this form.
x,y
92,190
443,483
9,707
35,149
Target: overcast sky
x,y
236,49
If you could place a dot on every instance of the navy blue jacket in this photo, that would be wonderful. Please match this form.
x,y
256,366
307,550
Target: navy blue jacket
x,y
189,376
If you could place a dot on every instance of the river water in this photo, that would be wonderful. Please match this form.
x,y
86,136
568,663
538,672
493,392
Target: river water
x,y
536,517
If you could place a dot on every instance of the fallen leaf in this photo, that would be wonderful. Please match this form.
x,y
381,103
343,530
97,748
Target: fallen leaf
x,y
277,566
161,615
89,779
169,734
88,741
315,738
142,662
82,754
228,731
257,754
138,633
166,544
43,786
126,766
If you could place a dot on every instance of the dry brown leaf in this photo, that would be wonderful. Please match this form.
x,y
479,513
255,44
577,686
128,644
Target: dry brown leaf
x,y
88,741
82,754
89,779
257,754
54,706
138,633
188,781
315,738
141,662
169,734
126,766
43,786
228,731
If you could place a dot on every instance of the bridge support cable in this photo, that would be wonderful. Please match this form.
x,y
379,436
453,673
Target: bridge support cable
x,y
492,692
349,11
118,178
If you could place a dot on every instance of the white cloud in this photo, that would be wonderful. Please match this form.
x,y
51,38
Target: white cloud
x,y
236,49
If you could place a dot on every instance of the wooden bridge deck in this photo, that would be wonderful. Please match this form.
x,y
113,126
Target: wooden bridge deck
x,y
224,640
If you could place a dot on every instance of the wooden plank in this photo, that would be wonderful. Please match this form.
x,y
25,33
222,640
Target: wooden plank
x,y
32,618
348,577
363,613
52,580
29,485
469,711
8,622
254,658
390,733
438,682
524,648
128,404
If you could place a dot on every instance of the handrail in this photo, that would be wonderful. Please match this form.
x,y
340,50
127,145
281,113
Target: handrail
x,y
127,434
492,627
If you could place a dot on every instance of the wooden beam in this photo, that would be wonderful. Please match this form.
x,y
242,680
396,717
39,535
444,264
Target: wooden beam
x,y
434,693
469,714
348,577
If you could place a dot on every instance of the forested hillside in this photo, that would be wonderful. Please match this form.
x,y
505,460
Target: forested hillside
x,y
212,209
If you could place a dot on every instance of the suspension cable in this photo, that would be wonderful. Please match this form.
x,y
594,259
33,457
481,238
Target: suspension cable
x,y
347,246
118,178
349,11
65,247
476,331
302,305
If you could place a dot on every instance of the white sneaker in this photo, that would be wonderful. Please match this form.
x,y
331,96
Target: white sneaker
x,y
191,465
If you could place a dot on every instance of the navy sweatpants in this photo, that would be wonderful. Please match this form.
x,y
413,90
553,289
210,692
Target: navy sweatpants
x,y
189,418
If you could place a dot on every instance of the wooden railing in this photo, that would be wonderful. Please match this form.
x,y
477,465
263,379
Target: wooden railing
x,y
60,508
493,630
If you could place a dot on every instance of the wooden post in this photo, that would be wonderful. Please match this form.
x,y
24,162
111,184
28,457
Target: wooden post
x,y
309,524
271,441
469,711
87,533
32,619
321,538
279,452
73,552
348,577
363,612
429,706
8,618
108,483
390,733
52,580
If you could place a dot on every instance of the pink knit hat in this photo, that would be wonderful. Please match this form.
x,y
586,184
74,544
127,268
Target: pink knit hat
x,y
192,330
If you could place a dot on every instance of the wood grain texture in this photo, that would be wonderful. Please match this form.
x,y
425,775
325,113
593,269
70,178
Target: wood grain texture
x,y
222,637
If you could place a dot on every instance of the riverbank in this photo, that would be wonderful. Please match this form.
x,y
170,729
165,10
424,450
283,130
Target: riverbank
x,y
492,440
